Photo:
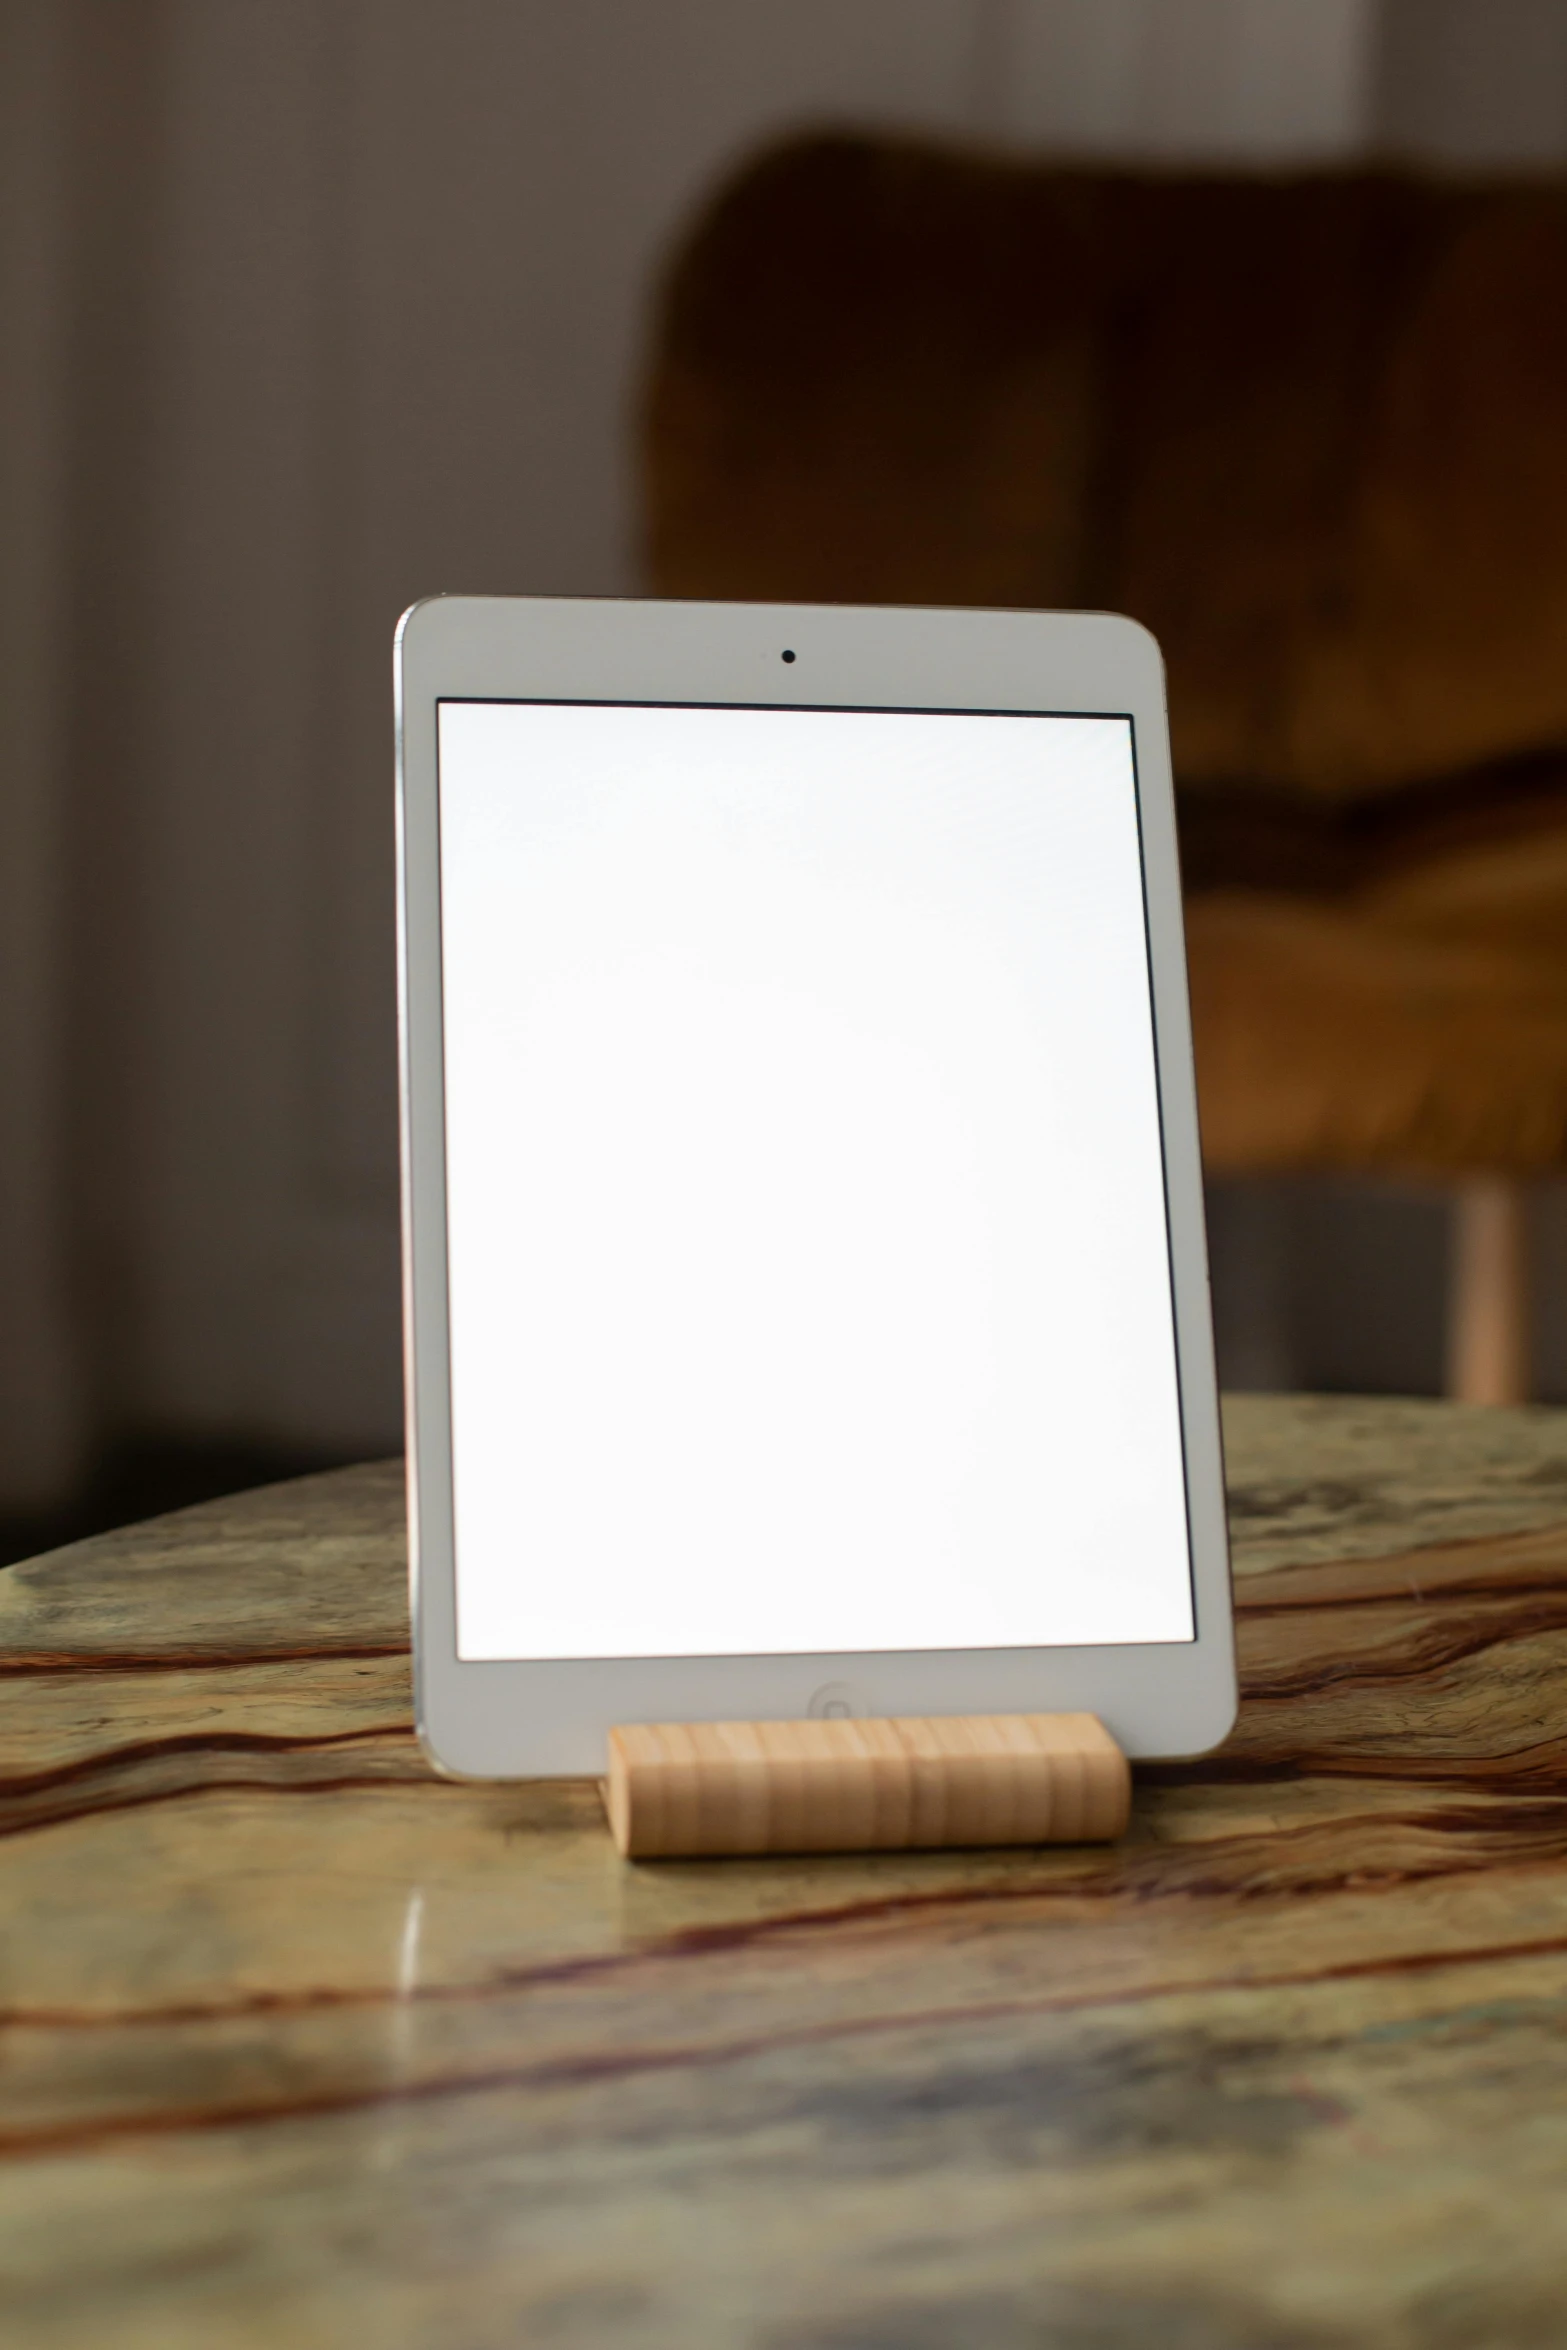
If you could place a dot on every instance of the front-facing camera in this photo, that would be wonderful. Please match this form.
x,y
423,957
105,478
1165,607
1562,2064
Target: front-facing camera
x,y
788,656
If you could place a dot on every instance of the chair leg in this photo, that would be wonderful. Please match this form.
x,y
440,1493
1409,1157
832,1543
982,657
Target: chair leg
x,y
1488,1294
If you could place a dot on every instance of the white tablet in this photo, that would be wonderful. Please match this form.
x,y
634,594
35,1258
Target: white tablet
x,y
807,1302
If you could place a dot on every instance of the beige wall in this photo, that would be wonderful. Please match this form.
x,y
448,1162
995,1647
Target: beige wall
x,y
316,306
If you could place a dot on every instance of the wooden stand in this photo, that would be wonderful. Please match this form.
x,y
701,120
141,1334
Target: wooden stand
x,y
864,1786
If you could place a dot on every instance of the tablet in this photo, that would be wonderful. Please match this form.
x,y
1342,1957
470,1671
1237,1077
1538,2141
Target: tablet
x,y
807,1302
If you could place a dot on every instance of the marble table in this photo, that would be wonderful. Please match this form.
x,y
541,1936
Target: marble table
x,y
303,2046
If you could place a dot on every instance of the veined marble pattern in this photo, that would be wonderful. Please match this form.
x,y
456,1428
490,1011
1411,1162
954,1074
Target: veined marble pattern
x,y
1324,1476
303,2046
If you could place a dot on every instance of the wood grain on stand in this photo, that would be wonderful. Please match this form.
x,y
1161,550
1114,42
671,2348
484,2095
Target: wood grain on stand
x,y
679,1789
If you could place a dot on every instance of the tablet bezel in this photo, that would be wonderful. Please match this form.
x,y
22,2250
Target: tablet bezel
x,y
545,1719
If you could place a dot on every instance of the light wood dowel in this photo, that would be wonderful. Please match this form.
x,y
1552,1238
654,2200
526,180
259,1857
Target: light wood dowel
x,y
862,1786
1488,1298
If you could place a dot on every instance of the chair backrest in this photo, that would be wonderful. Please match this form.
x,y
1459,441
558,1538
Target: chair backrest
x,y
1313,431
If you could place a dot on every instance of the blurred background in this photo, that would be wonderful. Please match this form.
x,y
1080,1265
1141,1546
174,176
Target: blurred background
x,y
312,307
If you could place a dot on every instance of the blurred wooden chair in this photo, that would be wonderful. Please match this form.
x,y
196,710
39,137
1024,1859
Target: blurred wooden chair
x,y
1314,433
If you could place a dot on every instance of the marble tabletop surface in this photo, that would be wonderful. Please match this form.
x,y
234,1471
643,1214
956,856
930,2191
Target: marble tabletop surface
x,y
302,2046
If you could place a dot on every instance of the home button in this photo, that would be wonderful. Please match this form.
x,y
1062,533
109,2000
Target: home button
x,y
837,1701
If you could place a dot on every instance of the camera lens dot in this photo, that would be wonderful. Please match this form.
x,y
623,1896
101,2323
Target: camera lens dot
x,y
788,656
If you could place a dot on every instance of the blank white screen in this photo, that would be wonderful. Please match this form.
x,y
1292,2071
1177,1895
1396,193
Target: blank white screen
x,y
808,1272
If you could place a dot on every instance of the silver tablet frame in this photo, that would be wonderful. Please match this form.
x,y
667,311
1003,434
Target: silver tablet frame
x,y
528,1719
